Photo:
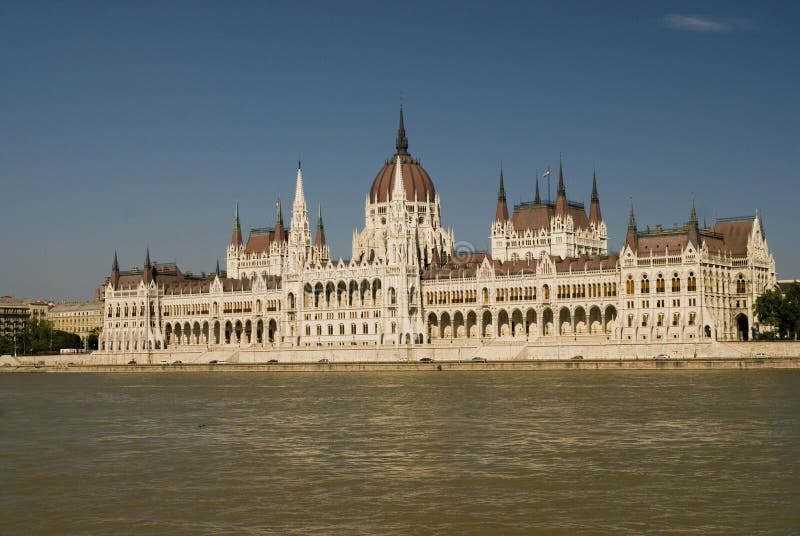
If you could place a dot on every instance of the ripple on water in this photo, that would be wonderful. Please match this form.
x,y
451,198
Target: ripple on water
x,y
398,453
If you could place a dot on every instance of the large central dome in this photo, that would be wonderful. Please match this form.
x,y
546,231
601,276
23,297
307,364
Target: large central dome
x,y
417,182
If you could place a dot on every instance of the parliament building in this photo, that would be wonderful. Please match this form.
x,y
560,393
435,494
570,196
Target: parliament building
x,y
548,278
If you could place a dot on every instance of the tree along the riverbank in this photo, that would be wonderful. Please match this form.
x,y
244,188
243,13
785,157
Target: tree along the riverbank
x,y
39,337
780,311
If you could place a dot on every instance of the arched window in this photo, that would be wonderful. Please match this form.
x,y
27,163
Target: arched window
x,y
629,285
741,287
546,292
660,283
676,283
691,283
645,284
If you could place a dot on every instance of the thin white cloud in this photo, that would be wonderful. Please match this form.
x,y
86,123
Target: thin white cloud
x,y
693,23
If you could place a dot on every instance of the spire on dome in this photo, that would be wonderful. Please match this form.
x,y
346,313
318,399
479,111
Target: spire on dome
x,y
561,189
217,270
537,200
115,264
398,185
402,140
501,214
594,209
236,235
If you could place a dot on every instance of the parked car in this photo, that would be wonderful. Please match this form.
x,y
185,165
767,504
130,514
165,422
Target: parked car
x,y
324,360
577,358
163,362
272,361
661,357
761,355
213,362
403,359
426,360
132,362
177,362
479,360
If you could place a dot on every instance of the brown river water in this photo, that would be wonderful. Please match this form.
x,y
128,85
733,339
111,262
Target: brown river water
x,y
561,452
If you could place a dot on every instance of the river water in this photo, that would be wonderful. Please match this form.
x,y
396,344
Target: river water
x,y
561,452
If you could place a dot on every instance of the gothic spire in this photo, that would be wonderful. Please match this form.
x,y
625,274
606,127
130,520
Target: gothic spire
x,y
694,228
236,235
398,185
319,240
536,199
501,214
217,271
594,208
279,229
115,271
148,271
561,196
632,237
402,140
631,219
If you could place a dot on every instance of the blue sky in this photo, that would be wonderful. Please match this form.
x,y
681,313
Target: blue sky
x,y
127,125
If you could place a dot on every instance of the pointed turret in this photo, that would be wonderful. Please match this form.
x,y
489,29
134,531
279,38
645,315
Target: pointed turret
x,y
280,231
236,236
398,184
319,240
537,200
694,227
402,140
299,196
115,271
594,209
501,214
217,270
148,271
632,237
561,196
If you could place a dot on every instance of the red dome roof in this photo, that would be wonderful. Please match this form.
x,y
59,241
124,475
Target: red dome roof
x,y
416,180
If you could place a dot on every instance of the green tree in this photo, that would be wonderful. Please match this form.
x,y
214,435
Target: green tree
x,y
781,311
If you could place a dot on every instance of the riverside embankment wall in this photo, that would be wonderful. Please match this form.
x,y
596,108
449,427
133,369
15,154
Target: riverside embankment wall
x,y
503,353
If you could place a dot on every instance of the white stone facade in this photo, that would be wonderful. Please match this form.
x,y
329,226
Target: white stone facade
x,y
405,286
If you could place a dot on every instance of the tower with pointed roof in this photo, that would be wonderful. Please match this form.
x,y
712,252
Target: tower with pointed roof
x,y
561,228
402,196
632,236
299,246
501,214
115,271
595,218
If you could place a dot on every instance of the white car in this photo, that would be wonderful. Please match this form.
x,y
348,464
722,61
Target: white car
x,y
761,355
